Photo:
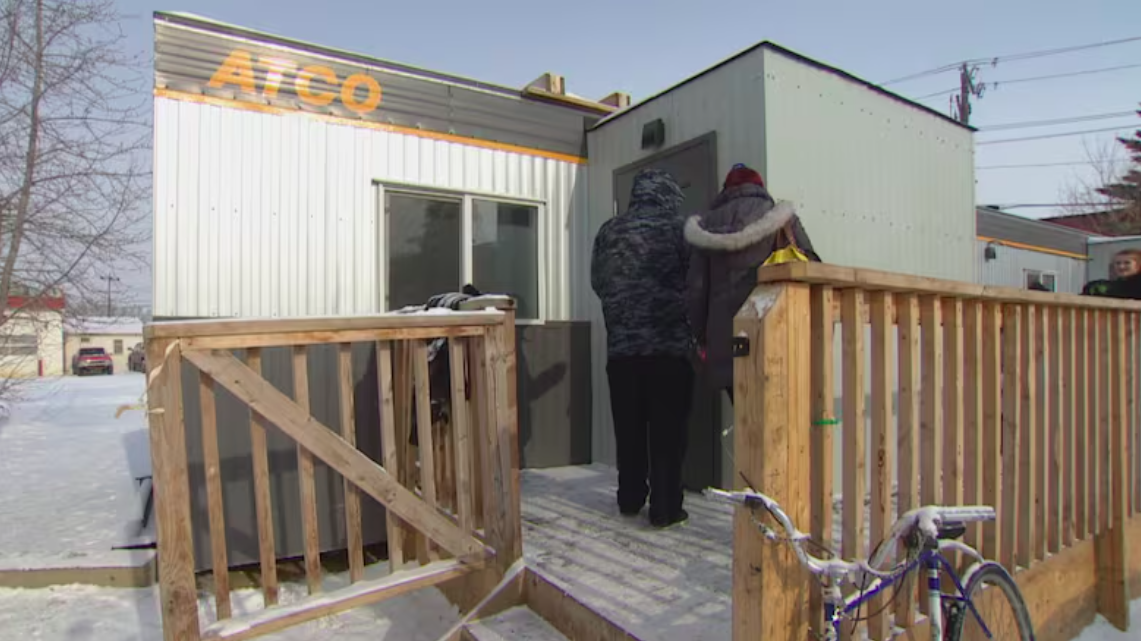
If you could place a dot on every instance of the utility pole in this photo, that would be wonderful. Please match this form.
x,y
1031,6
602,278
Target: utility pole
x,y
110,279
967,88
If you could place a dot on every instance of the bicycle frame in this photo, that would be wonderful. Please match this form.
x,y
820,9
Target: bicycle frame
x,y
837,609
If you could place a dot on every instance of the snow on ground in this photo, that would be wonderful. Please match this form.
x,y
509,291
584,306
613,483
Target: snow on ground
x,y
1103,630
66,490
87,613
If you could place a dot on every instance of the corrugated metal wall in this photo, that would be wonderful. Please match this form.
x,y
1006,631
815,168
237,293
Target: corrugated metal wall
x,y
879,183
1009,265
276,215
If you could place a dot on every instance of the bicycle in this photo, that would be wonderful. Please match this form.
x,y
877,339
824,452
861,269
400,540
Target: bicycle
x,y
925,534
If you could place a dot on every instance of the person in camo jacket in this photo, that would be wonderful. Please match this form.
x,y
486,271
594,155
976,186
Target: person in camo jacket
x,y
638,270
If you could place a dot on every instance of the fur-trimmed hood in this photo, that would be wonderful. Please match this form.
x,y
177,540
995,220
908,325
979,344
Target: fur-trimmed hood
x,y
754,232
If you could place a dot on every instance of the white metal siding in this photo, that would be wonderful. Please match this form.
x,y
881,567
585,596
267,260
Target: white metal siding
x,y
726,100
1009,265
268,215
879,184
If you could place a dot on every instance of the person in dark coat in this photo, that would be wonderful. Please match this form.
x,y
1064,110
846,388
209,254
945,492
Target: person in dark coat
x,y
1125,280
742,228
638,271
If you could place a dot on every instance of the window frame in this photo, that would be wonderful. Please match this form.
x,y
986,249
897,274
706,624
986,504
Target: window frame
x,y
467,199
32,343
1041,273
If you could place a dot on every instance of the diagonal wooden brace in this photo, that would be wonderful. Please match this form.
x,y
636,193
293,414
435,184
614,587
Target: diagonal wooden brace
x,y
263,398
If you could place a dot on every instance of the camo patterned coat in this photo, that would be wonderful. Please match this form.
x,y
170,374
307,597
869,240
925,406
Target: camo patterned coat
x,y
638,270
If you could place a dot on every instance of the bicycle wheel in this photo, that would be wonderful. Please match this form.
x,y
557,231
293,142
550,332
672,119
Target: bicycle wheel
x,y
999,603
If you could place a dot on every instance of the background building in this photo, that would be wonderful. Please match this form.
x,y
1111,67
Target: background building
x,y
31,337
1013,251
115,335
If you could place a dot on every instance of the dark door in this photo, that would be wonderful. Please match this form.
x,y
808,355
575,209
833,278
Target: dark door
x,y
694,165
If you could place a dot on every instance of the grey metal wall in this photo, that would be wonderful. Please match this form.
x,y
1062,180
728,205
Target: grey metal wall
x,y
879,182
1009,265
553,368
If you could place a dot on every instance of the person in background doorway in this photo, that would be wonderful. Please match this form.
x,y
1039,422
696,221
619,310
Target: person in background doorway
x,y
742,228
638,271
1124,280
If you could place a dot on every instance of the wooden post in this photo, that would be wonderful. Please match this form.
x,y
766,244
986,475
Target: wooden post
x,y
772,418
823,420
1111,544
177,592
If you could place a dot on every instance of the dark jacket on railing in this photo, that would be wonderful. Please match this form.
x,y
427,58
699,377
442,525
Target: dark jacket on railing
x,y
731,241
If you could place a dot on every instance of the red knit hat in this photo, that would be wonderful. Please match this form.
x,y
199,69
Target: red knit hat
x,y
741,175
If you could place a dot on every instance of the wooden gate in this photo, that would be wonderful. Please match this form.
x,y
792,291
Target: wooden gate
x,y
452,503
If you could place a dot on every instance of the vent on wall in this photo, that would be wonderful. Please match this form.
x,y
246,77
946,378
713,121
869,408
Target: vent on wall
x,y
653,134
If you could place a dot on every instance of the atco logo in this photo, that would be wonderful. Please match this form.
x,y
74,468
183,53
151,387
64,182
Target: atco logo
x,y
359,92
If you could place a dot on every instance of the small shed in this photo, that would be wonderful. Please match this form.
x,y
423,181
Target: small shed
x,y
1014,251
879,181
117,336
31,336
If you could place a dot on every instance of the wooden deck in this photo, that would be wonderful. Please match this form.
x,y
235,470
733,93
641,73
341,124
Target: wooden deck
x,y
666,585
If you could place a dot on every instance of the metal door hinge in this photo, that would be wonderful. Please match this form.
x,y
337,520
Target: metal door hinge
x,y
740,346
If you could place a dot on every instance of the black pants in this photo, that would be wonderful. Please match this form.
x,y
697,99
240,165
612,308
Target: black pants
x,y
650,399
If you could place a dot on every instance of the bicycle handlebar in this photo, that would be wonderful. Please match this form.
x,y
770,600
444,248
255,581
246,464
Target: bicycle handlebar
x,y
926,519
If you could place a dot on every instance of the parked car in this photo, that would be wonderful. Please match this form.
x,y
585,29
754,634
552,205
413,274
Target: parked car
x,y
92,360
137,359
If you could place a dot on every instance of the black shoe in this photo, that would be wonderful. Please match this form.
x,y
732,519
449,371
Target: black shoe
x,y
663,522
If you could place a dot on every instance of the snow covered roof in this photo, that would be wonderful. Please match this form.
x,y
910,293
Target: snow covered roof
x,y
105,325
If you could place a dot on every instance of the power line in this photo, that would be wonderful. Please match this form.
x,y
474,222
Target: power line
x,y
1061,135
1058,121
1039,164
996,83
1011,57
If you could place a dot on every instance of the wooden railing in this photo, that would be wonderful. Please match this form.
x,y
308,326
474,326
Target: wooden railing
x,y
1021,400
455,512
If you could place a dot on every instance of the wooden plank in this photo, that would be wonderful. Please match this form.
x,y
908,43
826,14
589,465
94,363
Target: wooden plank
x,y
306,482
993,345
854,425
1068,419
1102,469
174,538
1135,414
474,430
390,453
508,593
1082,387
462,433
483,420
345,459
839,277
1011,424
954,406
973,448
1130,371
287,339
333,324
823,427
1028,528
1051,386
567,614
1111,549
355,596
502,450
931,423
883,444
426,441
349,433
405,400
907,306
1041,452
263,502
771,387
215,507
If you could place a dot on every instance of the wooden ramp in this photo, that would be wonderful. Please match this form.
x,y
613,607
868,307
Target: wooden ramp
x,y
654,585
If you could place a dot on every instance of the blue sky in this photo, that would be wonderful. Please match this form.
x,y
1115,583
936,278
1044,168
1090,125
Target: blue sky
x,y
642,47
